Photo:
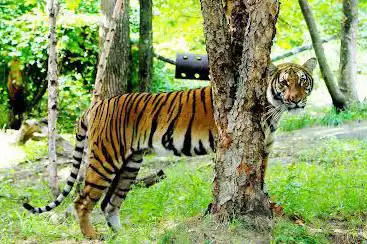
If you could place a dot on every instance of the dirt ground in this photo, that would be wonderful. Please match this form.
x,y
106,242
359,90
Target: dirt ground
x,y
286,145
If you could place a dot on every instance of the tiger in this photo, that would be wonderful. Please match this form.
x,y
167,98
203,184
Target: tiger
x,y
117,132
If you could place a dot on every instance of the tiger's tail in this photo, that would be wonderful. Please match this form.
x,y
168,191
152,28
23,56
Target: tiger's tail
x,y
81,134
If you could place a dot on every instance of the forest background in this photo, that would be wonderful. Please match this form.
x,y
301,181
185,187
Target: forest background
x,y
323,170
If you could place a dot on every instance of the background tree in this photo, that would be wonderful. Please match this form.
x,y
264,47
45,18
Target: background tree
x,y
337,97
118,69
239,55
145,46
348,50
53,8
346,93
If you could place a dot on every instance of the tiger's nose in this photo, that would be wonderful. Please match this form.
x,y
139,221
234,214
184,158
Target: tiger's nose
x,y
293,98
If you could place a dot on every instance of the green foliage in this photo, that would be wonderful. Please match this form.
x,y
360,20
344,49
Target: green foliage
x,y
163,77
292,29
35,149
3,115
185,193
26,40
324,186
287,232
332,173
178,27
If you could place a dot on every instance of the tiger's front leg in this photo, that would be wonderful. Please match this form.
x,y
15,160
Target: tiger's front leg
x,y
269,141
119,189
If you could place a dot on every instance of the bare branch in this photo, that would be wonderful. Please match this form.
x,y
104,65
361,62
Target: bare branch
x,y
300,49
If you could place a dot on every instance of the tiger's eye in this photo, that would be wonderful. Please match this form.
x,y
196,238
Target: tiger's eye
x,y
284,82
305,83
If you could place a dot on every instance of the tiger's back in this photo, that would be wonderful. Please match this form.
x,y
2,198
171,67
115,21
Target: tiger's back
x,y
180,123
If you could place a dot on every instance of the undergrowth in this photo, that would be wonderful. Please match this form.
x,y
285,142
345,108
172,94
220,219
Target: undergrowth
x,y
323,186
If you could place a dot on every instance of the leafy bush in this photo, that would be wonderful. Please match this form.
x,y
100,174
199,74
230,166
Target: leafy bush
x,y
26,41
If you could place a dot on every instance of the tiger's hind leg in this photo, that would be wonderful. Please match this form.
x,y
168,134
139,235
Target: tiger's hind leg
x,y
95,183
119,189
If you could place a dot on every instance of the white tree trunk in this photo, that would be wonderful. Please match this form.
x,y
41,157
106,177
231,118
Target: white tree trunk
x,y
53,7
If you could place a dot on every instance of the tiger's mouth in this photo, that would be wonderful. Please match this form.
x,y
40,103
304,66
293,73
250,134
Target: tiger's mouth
x,y
294,105
295,108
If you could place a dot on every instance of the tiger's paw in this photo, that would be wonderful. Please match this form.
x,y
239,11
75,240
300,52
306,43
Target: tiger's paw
x,y
276,209
91,234
94,236
114,223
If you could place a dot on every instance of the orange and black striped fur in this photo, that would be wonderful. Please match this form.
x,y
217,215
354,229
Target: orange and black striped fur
x,y
118,131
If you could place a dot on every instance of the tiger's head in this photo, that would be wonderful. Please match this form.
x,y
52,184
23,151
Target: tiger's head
x,y
290,85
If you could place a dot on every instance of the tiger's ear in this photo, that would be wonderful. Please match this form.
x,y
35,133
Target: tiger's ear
x,y
272,68
310,64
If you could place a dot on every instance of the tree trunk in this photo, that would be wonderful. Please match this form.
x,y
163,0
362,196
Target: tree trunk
x,y
239,55
53,8
348,50
118,67
145,46
337,97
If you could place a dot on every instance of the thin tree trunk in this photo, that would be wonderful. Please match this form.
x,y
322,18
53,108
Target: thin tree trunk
x,y
145,46
53,8
239,55
118,66
337,97
348,51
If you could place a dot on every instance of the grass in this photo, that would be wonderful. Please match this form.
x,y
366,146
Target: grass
x,y
323,117
145,213
324,186
333,175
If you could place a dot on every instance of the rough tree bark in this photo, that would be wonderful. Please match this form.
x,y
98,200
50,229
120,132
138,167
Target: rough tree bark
x,y
337,97
106,37
53,7
348,51
118,66
145,46
239,54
